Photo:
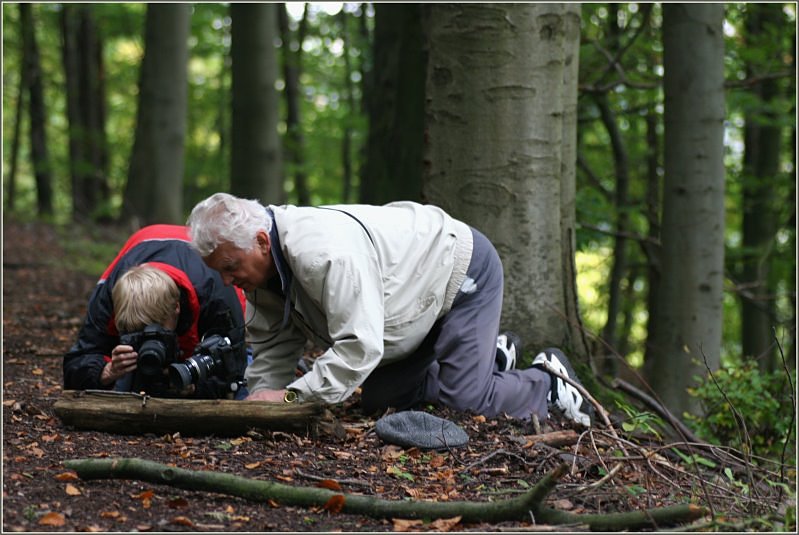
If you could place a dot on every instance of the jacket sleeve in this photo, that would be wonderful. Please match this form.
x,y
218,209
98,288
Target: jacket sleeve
x,y
276,349
85,361
348,289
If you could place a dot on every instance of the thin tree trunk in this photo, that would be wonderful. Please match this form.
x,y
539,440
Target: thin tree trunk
x,y
70,59
292,70
256,160
619,267
393,167
650,249
11,178
691,296
346,142
38,115
761,166
154,192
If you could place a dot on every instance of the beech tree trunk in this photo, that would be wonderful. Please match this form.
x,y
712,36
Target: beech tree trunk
x,y
500,149
256,159
691,294
154,191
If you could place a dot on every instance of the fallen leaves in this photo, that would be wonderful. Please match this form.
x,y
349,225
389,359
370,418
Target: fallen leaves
x,y
53,519
72,490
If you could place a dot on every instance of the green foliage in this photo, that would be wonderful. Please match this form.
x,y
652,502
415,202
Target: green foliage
x,y
746,408
640,422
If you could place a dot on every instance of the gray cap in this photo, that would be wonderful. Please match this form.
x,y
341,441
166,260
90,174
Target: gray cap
x,y
420,429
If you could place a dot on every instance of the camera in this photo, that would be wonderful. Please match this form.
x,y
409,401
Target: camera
x,y
157,347
213,356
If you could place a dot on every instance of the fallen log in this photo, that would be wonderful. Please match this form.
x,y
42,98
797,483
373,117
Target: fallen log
x,y
523,507
131,413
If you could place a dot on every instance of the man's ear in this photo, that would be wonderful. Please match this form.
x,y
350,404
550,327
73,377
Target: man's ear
x,y
263,242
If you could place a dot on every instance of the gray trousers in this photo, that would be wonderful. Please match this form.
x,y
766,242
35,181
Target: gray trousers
x,y
456,363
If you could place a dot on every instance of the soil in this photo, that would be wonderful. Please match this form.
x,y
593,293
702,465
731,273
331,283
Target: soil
x,y
43,307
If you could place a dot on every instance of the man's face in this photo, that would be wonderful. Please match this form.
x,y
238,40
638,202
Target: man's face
x,y
247,269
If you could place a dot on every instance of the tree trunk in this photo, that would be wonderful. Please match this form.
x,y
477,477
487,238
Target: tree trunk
x,y
292,70
500,148
690,308
761,166
393,167
11,178
349,98
128,413
528,504
651,246
256,161
92,95
154,192
40,159
619,268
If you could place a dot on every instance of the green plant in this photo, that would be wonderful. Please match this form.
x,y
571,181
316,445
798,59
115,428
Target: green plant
x,y
643,422
744,407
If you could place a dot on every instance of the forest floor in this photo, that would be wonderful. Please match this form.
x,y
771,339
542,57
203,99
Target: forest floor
x,y
608,470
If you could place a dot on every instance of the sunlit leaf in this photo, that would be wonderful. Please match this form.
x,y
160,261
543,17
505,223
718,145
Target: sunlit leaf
x,y
67,476
52,519
72,490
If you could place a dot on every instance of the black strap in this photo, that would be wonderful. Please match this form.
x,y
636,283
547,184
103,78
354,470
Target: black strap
x,y
355,218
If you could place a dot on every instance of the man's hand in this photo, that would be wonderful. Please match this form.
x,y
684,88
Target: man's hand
x,y
123,360
266,395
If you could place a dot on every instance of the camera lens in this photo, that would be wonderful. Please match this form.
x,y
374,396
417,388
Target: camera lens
x,y
152,357
193,370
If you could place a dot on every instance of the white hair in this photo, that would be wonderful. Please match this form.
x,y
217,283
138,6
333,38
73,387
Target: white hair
x,y
224,218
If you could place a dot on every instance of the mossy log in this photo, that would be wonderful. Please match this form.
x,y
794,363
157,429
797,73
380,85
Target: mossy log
x,y
129,413
524,507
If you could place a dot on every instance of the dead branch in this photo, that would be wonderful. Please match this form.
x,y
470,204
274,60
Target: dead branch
x,y
131,413
521,507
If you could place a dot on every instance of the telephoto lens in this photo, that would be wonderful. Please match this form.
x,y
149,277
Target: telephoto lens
x,y
192,371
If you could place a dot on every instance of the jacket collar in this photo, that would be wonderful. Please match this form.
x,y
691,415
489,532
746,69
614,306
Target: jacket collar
x,y
283,270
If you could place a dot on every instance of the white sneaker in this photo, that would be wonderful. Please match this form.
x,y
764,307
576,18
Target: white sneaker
x,y
508,349
562,394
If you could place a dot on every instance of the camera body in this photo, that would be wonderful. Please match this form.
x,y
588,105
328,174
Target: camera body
x,y
159,372
214,356
157,348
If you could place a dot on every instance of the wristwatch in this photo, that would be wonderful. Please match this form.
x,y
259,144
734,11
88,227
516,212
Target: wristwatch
x,y
290,396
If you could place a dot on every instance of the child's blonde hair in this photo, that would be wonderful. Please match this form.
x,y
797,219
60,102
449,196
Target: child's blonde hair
x,y
142,296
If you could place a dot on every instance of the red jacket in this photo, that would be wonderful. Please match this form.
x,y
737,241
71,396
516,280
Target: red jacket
x,y
207,306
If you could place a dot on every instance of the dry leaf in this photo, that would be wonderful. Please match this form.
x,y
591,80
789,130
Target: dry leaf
x,y
9,402
177,503
72,490
329,484
52,519
67,476
38,371
404,524
109,514
183,521
445,524
335,504
480,419
252,466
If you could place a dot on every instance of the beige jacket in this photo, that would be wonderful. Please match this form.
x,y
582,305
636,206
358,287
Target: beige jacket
x,y
365,283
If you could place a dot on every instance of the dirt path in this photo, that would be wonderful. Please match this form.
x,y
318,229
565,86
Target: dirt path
x,y
43,307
